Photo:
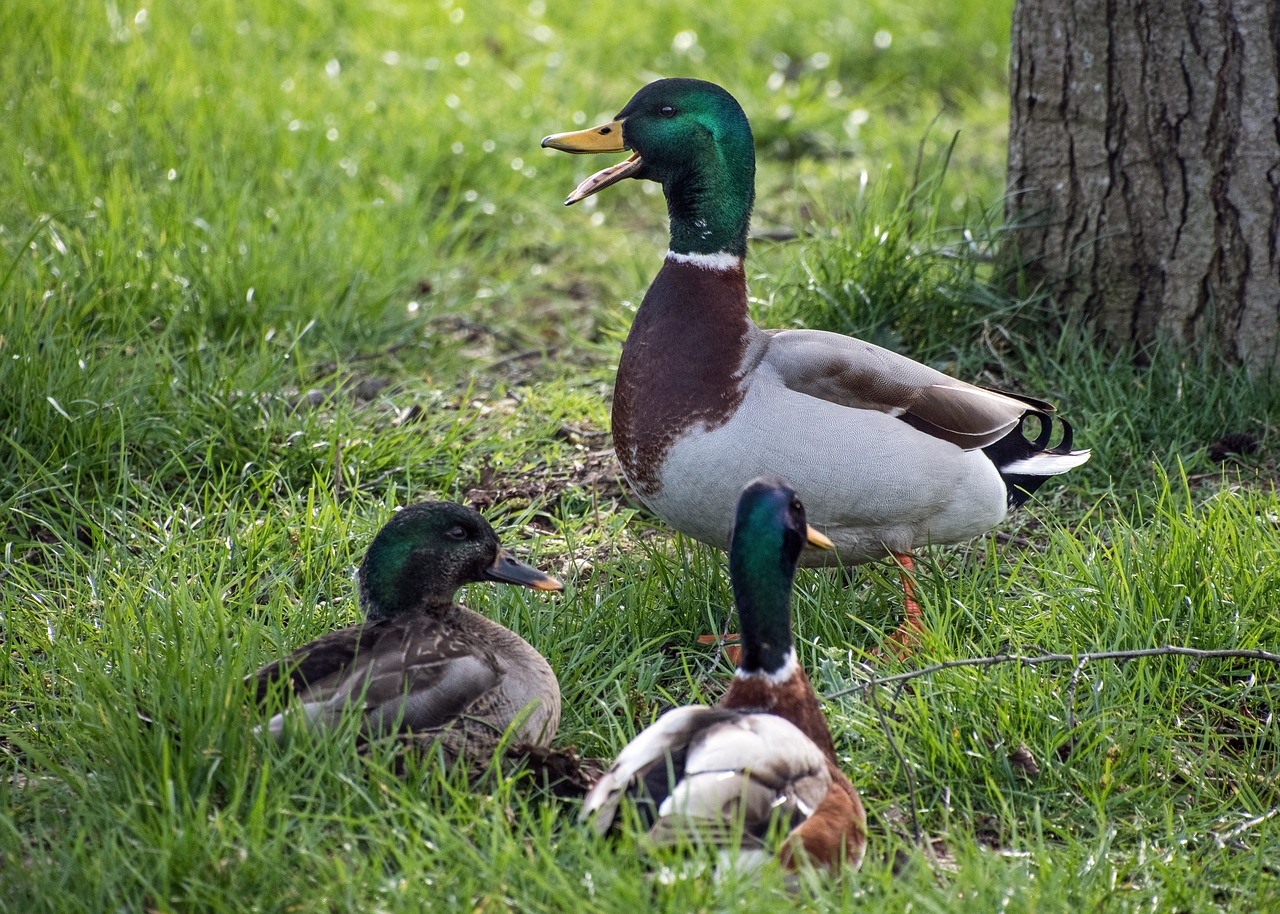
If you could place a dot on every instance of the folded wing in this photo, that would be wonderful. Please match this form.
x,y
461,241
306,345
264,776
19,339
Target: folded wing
x,y
848,371
401,671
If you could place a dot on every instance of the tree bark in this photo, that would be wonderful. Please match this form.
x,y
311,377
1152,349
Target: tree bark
x,y
1144,168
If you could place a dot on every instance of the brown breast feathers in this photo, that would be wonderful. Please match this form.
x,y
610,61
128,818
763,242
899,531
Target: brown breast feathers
x,y
679,365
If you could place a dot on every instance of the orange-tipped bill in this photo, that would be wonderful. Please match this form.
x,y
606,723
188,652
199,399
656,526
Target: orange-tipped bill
x,y
817,540
509,570
605,138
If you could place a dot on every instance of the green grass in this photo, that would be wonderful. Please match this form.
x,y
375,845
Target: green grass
x,y
222,223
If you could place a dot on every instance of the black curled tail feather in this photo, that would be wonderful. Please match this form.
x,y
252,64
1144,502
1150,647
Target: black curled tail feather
x,y
1015,455
651,788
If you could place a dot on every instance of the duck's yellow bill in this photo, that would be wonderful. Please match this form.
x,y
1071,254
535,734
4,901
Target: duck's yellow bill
x,y
507,569
818,540
605,138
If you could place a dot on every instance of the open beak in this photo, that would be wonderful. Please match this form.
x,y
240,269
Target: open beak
x,y
508,570
817,540
605,138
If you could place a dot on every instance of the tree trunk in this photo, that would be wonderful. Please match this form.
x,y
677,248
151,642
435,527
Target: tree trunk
x,y
1144,168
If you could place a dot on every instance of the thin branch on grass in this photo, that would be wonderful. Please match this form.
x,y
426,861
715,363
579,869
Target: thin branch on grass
x,y
1078,659
1243,827
524,355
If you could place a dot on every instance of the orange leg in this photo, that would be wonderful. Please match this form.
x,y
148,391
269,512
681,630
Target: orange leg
x,y
728,643
913,621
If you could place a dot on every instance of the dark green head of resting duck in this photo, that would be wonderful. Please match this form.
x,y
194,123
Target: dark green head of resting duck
x,y
426,552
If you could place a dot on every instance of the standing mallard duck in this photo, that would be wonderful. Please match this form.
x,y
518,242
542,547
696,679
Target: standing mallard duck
x,y
420,661
764,754
889,454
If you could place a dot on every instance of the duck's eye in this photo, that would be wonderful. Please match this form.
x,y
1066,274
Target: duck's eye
x,y
456,533
795,505
667,111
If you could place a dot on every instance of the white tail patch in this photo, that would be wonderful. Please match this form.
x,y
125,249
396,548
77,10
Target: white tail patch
x,y
1045,464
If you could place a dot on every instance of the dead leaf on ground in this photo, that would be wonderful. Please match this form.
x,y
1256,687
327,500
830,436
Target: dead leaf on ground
x,y
1024,763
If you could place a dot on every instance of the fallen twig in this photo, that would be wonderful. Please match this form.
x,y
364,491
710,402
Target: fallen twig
x,y
1243,827
1079,659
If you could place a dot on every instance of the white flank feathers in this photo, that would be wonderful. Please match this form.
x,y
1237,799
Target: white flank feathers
x,y
1045,464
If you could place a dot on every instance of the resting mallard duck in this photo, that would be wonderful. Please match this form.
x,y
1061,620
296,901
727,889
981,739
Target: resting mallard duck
x,y
764,754
888,454
421,662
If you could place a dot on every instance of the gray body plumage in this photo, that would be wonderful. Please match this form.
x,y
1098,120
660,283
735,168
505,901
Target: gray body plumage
x,y
843,419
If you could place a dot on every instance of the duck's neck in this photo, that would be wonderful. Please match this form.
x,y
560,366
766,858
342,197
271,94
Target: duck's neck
x,y
393,589
791,698
762,593
710,208
777,684
436,606
769,678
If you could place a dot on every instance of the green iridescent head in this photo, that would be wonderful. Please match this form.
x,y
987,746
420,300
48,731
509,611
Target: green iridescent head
x,y
693,138
426,552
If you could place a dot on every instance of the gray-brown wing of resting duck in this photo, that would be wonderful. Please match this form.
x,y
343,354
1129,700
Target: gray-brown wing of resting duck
x,y
420,662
